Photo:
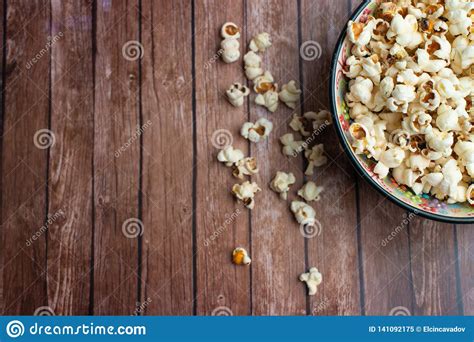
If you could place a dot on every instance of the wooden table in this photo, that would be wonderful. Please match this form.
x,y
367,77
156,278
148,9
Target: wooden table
x,y
133,140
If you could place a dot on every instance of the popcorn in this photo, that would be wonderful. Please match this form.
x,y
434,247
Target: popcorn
x,y
245,193
230,50
268,100
264,83
230,30
312,279
245,167
360,33
289,94
236,94
411,86
310,192
315,158
258,131
405,31
281,183
252,65
360,90
240,256
260,42
290,146
462,54
229,156
304,213
470,194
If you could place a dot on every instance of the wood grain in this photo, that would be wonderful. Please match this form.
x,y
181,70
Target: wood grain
x,y
24,165
71,159
218,215
117,130
465,240
433,265
322,22
277,244
167,93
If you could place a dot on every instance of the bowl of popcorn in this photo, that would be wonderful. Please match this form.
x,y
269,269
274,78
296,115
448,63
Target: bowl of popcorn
x,y
402,87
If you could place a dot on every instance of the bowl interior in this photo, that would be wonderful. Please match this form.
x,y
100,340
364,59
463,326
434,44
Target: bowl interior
x,y
424,204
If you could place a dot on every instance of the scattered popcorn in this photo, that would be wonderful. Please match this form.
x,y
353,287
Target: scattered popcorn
x,y
281,183
264,83
410,91
289,94
310,192
240,256
315,157
245,192
236,94
303,212
310,121
257,131
268,100
230,30
230,45
230,156
470,194
252,65
245,167
260,42
290,146
312,279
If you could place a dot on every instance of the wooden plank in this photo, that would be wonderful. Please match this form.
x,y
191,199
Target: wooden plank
x,y
218,282
167,92
117,131
465,240
321,24
433,265
71,159
23,177
277,245
384,240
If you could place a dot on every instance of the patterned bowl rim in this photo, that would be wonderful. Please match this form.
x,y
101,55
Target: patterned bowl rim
x,y
348,149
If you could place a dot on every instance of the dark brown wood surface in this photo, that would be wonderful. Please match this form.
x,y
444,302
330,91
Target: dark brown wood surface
x,y
126,210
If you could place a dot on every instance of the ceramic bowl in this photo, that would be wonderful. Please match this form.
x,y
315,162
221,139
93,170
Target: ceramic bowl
x,y
422,205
